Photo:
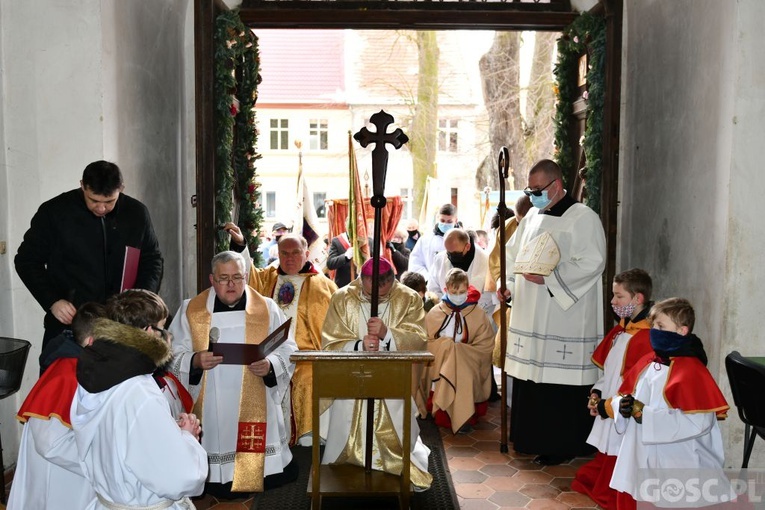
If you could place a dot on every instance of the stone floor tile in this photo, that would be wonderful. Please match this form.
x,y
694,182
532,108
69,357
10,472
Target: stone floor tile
x,y
504,483
486,435
533,477
461,451
499,470
493,457
509,499
546,504
561,470
473,490
205,502
576,500
487,446
466,464
539,491
468,477
562,483
525,465
478,504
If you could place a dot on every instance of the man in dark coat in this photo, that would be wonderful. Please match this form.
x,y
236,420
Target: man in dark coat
x,y
75,249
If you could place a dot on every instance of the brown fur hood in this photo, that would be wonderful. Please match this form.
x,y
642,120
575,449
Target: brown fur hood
x,y
118,353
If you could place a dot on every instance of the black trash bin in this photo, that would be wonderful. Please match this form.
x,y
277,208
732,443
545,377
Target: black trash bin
x,y
13,359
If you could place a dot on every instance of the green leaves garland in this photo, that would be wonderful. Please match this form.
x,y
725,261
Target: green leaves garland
x,y
236,57
586,34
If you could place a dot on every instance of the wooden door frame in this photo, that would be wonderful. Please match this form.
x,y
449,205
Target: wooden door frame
x,y
400,15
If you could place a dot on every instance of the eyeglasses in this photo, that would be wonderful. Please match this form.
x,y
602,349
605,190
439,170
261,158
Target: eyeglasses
x,y
226,279
537,192
163,333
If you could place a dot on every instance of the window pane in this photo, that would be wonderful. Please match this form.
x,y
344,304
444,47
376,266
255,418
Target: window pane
x,y
318,204
270,211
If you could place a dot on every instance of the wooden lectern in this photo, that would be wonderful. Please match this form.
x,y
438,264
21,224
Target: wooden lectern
x,y
360,375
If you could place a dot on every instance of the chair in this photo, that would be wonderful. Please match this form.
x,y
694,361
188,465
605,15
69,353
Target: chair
x,y
13,359
747,379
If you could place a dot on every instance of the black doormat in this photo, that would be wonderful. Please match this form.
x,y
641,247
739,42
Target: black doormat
x,y
440,496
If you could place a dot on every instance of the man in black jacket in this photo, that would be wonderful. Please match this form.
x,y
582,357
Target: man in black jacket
x,y
74,250
340,259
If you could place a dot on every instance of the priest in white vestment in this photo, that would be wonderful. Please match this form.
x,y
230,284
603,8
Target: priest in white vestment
x,y
245,434
129,446
557,319
461,252
398,327
303,293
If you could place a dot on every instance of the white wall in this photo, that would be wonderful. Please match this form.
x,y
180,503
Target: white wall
x,y
690,179
84,80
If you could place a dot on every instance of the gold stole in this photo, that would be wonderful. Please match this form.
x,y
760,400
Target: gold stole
x,y
249,460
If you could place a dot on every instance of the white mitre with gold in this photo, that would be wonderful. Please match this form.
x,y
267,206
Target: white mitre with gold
x,y
539,256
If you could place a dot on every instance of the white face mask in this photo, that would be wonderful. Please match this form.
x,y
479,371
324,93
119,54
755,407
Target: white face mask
x,y
456,299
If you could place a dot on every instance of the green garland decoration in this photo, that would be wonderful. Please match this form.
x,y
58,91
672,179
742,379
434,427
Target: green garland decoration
x,y
586,34
236,55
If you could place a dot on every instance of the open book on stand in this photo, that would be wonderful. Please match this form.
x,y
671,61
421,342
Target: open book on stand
x,y
244,354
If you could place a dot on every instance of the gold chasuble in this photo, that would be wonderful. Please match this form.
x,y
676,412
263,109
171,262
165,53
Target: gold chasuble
x,y
251,438
401,311
307,320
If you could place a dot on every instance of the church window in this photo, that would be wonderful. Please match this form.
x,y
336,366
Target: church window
x,y
280,134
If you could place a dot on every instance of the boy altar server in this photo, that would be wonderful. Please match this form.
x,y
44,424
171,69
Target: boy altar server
x,y
623,346
48,474
668,407
130,447
461,338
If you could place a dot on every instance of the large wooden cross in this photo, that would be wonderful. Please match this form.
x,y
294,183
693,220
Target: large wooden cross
x,y
379,170
397,138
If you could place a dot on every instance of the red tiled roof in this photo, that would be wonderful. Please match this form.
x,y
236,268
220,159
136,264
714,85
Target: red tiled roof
x,y
301,66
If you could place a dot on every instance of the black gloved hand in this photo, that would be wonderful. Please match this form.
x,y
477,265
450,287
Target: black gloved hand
x,y
625,405
390,246
602,408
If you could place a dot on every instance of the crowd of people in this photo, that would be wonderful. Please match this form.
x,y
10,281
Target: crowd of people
x,y
126,390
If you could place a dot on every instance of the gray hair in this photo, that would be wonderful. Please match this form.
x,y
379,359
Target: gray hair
x,y
229,256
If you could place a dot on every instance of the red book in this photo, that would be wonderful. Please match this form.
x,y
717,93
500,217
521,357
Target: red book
x,y
130,268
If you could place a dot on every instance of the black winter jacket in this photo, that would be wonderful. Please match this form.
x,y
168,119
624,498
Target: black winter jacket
x,y
70,253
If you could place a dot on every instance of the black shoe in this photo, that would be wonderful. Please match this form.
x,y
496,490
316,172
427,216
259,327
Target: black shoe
x,y
551,460
465,429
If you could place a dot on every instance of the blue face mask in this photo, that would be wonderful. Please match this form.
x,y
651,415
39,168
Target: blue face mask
x,y
445,227
540,202
667,341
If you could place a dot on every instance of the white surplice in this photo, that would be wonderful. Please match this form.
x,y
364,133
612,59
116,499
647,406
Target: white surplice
x,y
476,277
223,391
424,252
667,438
48,474
132,450
603,436
336,421
555,327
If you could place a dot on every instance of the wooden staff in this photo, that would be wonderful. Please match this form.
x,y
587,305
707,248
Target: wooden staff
x,y
379,168
503,164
